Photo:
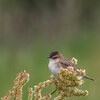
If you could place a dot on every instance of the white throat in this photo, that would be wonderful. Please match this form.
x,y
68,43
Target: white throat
x,y
53,66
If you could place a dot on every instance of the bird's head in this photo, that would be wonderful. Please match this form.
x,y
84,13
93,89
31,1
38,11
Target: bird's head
x,y
55,55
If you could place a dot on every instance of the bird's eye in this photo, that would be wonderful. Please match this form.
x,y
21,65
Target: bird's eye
x,y
54,57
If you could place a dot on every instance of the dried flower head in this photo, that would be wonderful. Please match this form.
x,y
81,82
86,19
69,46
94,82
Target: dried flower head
x,y
30,93
21,79
40,86
74,60
66,84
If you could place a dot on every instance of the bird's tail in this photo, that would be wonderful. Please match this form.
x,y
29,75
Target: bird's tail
x,y
88,78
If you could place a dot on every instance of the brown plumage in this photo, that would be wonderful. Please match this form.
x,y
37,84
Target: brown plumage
x,y
52,54
63,62
57,60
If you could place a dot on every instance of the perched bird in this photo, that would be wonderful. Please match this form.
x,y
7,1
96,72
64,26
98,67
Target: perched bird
x,y
57,61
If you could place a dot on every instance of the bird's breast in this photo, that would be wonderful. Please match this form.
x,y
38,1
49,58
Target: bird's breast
x,y
54,68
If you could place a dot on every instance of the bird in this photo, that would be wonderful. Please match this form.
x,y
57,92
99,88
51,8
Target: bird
x,y
58,61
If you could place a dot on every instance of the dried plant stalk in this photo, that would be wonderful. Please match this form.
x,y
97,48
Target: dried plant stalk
x,y
30,93
21,79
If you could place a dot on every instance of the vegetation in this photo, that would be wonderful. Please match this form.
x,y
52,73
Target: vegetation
x,y
65,85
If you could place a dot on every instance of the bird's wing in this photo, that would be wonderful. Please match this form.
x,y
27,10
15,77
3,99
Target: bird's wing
x,y
65,63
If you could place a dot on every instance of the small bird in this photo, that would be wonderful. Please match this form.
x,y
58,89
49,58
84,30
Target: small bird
x,y
57,61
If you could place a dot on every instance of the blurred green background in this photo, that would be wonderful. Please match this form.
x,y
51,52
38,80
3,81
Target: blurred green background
x,y
31,29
